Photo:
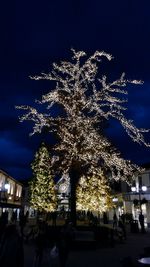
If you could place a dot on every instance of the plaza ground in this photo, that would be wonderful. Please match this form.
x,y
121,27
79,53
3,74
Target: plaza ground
x,y
104,256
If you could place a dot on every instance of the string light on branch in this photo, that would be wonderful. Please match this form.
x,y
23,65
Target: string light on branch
x,y
86,101
94,194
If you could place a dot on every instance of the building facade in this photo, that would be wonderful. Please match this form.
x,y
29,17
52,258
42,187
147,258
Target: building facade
x,y
63,193
136,198
10,195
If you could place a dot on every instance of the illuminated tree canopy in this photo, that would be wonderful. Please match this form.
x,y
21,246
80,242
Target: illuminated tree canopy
x,y
86,100
42,187
94,194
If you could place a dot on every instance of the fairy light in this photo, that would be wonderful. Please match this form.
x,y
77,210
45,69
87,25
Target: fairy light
x,y
86,101
42,187
94,194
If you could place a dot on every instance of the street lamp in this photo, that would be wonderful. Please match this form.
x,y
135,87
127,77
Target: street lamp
x,y
139,191
115,199
7,186
3,192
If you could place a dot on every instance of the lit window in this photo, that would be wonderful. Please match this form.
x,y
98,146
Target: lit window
x,y
7,187
11,189
18,191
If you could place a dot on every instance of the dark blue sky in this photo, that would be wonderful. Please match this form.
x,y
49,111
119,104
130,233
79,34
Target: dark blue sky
x,y
36,33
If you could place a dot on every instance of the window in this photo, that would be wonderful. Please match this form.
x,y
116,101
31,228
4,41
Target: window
x,y
11,188
2,180
18,190
8,188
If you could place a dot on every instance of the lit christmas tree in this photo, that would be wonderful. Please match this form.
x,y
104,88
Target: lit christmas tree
x,y
42,187
94,194
86,101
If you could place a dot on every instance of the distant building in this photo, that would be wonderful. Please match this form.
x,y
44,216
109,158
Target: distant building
x,y
10,195
26,200
63,193
135,198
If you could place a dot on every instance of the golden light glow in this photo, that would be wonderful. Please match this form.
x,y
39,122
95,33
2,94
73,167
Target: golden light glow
x,y
86,101
42,187
93,194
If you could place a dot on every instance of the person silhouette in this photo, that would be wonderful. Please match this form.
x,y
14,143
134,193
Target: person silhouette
x,y
141,221
65,242
115,221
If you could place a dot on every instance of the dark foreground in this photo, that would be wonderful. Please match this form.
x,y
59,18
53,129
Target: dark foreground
x,y
86,254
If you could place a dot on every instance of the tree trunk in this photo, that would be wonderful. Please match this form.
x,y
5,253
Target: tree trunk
x,y
74,177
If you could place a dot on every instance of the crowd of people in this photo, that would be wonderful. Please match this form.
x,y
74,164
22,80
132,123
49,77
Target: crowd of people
x,y
54,244
15,233
119,224
54,241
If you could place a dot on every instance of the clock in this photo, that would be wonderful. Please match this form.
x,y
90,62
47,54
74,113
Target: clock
x,y
63,188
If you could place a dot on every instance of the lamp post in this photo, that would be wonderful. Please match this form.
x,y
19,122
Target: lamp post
x,y
139,191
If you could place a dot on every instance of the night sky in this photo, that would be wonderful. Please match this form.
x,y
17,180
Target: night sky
x,y
37,33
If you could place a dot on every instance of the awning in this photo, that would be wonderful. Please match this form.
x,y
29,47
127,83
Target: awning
x,y
9,205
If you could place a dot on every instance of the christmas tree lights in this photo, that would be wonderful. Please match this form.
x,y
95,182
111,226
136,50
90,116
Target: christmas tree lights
x,y
42,187
86,101
94,194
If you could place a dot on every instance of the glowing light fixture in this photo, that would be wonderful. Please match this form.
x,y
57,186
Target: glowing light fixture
x,y
7,186
144,188
115,199
133,189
